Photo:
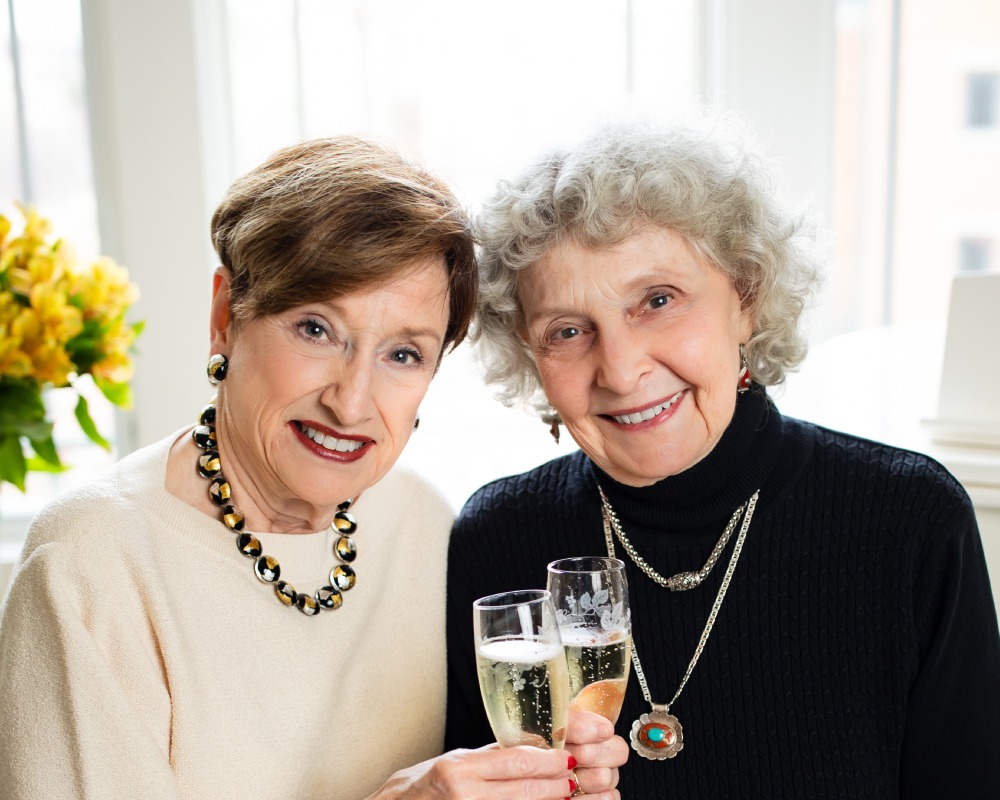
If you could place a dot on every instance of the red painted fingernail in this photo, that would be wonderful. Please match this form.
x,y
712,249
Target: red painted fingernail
x,y
572,786
572,763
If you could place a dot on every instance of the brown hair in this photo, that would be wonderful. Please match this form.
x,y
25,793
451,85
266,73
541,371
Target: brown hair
x,y
328,217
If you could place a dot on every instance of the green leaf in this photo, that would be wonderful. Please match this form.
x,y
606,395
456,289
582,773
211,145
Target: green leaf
x,y
12,464
21,409
82,412
118,393
45,449
138,327
33,429
36,464
19,398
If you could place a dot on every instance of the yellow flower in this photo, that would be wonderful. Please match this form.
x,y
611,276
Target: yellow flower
x,y
51,364
26,326
13,360
9,307
42,338
60,320
18,250
40,268
36,227
116,365
103,289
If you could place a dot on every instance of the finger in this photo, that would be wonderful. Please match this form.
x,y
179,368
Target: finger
x,y
611,752
490,772
585,727
597,779
611,794
522,762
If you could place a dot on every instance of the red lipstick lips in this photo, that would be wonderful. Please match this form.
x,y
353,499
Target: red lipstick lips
x,y
333,445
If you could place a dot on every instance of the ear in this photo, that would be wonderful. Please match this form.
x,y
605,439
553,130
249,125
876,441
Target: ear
x,y
746,325
746,322
219,318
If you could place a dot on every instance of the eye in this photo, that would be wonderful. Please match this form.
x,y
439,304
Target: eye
x,y
313,329
560,336
406,356
658,301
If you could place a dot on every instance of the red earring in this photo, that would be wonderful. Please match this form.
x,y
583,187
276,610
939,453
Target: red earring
x,y
745,379
553,419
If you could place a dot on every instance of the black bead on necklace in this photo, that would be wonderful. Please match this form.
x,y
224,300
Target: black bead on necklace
x,y
266,568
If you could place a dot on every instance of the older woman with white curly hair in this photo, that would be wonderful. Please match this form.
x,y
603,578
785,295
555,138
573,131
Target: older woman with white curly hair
x,y
811,611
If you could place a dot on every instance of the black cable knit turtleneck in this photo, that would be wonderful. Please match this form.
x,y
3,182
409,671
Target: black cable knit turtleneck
x,y
856,654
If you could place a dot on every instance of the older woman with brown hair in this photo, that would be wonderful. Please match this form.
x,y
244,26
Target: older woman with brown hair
x,y
811,612
254,607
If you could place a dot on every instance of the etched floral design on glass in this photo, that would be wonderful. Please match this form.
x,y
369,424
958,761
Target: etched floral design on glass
x,y
591,599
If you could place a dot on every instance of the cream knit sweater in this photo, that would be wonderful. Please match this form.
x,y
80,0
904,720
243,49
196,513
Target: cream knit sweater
x,y
141,658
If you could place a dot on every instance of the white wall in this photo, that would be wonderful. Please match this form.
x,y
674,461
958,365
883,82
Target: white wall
x,y
773,60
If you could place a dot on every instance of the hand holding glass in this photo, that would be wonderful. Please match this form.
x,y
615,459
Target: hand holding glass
x,y
522,668
590,595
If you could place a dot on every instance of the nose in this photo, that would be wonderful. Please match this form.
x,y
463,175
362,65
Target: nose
x,y
349,393
622,360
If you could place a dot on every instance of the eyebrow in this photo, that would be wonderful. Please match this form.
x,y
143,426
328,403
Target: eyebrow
x,y
415,333
649,279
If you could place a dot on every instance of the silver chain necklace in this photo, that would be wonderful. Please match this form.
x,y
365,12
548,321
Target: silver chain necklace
x,y
682,580
659,735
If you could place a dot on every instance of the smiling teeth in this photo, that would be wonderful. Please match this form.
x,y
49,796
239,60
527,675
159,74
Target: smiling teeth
x,y
331,442
649,413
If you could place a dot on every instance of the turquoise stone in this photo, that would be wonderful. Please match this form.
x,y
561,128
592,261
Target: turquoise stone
x,y
656,735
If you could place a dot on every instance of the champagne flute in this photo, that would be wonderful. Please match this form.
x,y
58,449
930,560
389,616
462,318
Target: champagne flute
x,y
522,668
591,599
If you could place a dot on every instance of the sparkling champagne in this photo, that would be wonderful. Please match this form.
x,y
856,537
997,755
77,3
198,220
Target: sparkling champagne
x,y
598,669
525,691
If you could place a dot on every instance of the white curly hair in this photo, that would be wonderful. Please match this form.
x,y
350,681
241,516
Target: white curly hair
x,y
702,180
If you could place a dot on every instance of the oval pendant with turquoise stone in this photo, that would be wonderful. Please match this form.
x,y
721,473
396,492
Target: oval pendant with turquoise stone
x,y
657,735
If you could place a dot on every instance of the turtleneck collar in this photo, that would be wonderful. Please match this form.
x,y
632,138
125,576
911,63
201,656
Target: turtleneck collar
x,y
712,489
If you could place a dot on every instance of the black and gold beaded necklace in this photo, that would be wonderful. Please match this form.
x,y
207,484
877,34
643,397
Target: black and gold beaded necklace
x,y
266,568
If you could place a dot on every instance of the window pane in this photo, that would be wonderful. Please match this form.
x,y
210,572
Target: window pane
x,y
54,92
911,177
946,172
982,100
856,291
472,89
10,166
974,255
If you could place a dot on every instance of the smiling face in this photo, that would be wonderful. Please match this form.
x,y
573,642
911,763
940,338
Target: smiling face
x,y
637,346
320,400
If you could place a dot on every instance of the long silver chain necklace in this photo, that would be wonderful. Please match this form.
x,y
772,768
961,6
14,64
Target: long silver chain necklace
x,y
658,734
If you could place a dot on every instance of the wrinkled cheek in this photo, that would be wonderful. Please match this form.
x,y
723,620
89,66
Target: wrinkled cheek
x,y
553,377
592,443
718,412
